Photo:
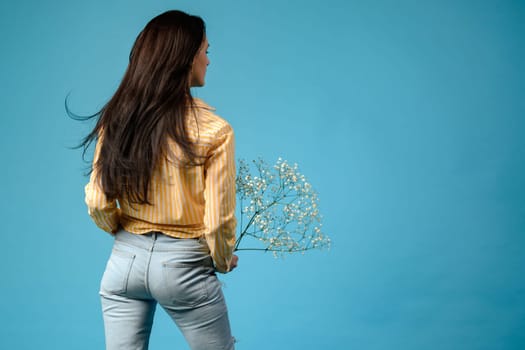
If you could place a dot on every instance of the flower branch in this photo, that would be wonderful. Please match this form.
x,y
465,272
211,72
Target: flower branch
x,y
282,209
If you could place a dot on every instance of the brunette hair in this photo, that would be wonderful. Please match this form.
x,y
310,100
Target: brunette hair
x,y
150,106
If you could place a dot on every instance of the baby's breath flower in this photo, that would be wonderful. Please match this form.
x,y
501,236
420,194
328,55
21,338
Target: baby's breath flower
x,y
279,208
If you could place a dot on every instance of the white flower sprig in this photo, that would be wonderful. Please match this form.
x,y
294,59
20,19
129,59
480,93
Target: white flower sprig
x,y
279,208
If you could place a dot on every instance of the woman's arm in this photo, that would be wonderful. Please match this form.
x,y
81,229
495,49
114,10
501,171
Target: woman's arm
x,y
220,199
103,212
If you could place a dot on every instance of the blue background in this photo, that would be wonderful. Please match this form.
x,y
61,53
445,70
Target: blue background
x,y
408,117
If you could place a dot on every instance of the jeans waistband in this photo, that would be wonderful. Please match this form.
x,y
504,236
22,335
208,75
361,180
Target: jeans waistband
x,y
160,242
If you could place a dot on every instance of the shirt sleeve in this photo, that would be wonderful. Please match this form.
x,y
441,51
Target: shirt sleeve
x,y
220,199
104,213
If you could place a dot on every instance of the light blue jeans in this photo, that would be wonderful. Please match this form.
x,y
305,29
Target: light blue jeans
x,y
178,274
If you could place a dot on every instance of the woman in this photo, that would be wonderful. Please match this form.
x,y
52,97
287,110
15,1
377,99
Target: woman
x,y
163,183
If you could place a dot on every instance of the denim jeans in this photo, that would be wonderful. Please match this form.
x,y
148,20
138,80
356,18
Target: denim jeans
x,y
178,274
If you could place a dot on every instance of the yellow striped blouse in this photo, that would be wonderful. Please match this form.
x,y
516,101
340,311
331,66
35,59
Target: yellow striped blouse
x,y
187,202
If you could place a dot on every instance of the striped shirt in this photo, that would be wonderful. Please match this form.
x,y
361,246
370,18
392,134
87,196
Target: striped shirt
x,y
187,202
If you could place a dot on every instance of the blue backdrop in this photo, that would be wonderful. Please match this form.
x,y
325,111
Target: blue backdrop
x,y
408,117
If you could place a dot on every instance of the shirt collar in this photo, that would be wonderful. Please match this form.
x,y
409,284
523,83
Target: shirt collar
x,y
201,104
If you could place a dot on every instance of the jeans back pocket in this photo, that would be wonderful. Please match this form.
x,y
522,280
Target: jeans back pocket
x,y
185,283
116,275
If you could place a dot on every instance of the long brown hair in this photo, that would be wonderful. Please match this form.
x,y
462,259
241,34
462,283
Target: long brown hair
x,y
149,107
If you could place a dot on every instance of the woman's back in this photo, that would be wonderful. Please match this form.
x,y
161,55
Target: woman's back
x,y
184,201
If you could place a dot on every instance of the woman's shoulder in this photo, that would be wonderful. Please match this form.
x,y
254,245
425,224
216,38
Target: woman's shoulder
x,y
209,124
